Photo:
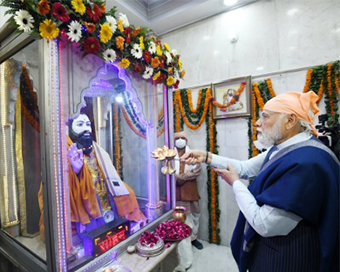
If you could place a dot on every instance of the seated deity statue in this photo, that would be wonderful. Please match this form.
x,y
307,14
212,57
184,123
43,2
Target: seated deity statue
x,y
97,193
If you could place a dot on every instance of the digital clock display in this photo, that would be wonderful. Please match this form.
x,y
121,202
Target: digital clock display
x,y
102,239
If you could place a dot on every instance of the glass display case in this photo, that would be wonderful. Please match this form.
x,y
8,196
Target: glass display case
x,y
79,182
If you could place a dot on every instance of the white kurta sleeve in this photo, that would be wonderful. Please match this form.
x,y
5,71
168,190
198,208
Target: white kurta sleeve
x,y
265,220
245,169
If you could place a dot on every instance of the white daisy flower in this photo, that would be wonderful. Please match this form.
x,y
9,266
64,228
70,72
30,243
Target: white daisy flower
x,y
124,19
152,48
137,52
109,55
148,73
168,57
174,52
111,21
24,20
74,33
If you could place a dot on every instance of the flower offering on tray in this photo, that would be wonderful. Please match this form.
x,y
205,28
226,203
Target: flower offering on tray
x,y
149,244
171,231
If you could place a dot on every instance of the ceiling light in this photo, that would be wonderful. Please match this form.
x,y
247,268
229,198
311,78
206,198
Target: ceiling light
x,y
292,12
230,2
233,37
119,99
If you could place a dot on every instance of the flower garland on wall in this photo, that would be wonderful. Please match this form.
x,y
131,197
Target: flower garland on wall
x,y
193,118
323,80
98,31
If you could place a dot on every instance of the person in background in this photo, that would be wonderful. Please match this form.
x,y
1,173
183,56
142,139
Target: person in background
x,y
289,214
186,186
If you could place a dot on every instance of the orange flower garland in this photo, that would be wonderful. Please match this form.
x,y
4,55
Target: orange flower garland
x,y
253,123
24,110
336,79
258,95
308,80
178,104
270,87
224,107
198,100
329,85
213,185
116,140
320,92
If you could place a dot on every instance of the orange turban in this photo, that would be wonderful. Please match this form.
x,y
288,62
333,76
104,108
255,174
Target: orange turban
x,y
297,103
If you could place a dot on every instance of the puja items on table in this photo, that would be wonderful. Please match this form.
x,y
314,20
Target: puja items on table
x,y
149,245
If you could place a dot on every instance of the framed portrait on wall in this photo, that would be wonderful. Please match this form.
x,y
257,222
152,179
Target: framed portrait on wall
x,y
232,98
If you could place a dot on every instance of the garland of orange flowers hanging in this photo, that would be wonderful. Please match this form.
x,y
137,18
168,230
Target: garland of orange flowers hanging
x,y
261,93
184,112
324,80
117,136
31,113
223,107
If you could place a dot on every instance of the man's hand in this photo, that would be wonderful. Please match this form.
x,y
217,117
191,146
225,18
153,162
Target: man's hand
x,y
228,175
76,158
193,157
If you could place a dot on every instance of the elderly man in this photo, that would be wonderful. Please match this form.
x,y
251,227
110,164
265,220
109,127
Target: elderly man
x,y
289,214
186,186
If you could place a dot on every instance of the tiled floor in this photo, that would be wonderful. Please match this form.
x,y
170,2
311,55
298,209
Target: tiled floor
x,y
213,258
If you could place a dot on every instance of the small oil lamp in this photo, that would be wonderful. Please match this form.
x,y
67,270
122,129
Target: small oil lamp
x,y
166,154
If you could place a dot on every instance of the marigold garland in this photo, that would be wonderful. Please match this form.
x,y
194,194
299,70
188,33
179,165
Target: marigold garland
x,y
31,115
223,107
329,83
116,137
320,92
270,87
258,95
193,118
308,80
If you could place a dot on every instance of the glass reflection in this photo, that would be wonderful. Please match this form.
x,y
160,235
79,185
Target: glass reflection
x,y
115,185
20,152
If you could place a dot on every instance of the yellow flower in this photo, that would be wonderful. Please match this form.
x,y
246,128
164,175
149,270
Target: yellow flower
x,y
170,81
48,30
166,46
105,33
120,25
159,51
78,6
156,75
141,43
125,63
180,65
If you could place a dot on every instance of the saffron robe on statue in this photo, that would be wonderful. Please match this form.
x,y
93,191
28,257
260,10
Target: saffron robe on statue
x,y
302,179
84,203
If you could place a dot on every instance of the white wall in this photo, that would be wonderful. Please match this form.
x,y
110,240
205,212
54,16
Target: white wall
x,y
273,35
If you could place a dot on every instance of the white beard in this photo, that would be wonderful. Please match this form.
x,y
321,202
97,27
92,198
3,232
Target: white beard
x,y
271,135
